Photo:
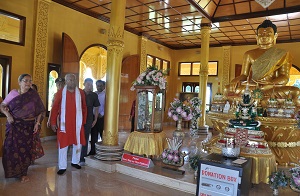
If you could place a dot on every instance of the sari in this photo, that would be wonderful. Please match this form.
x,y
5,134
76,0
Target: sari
x,y
17,150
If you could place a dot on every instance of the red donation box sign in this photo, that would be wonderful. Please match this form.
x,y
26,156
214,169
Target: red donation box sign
x,y
137,160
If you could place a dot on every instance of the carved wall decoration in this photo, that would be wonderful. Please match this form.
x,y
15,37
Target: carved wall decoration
x,y
226,65
143,54
116,32
40,48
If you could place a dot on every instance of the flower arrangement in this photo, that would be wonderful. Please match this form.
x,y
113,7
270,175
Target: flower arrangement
x,y
278,179
295,178
196,112
151,77
179,110
193,161
171,155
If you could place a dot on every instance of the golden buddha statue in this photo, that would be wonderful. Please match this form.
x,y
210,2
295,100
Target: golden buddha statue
x,y
266,66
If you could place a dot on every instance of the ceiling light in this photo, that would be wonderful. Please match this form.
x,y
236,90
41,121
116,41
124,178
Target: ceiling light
x,y
265,3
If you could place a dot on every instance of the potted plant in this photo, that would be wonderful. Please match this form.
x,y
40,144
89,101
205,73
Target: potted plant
x,y
295,178
278,179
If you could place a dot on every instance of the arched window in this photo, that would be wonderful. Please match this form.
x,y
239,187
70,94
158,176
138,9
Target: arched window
x,y
93,64
54,71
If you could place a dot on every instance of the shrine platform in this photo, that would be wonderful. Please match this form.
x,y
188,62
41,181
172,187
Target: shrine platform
x,y
157,174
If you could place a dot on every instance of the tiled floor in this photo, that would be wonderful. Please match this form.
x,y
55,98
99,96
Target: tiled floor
x,y
89,181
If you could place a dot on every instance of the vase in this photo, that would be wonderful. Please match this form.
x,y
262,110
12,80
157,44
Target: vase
x,y
275,192
178,133
196,174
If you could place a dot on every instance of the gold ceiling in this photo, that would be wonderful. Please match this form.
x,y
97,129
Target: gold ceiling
x,y
176,23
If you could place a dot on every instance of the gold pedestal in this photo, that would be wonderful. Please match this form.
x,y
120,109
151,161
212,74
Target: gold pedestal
x,y
146,143
282,135
262,165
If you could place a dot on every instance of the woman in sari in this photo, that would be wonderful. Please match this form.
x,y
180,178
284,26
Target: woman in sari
x,y
24,110
37,150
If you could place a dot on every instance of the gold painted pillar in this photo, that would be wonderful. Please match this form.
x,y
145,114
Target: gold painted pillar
x,y
203,74
115,48
40,60
143,54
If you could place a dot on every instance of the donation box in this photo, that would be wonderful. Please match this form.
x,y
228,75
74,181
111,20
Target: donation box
x,y
222,176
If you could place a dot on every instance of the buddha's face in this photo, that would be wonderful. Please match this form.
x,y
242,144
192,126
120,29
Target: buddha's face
x,y
266,37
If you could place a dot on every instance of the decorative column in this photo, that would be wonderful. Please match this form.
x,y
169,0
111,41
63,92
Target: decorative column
x,y
39,75
143,54
115,48
203,74
226,65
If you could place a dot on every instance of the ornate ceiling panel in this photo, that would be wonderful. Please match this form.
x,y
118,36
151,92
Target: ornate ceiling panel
x,y
176,23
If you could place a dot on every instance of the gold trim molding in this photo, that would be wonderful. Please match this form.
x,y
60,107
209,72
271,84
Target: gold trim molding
x,y
284,144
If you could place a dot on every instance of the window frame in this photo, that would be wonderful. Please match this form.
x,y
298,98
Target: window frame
x,y
6,79
192,66
154,59
22,29
193,87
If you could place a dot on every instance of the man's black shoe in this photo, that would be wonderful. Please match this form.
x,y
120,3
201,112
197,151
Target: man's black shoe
x,y
76,166
61,171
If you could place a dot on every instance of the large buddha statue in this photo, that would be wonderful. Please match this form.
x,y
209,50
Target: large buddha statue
x,y
265,67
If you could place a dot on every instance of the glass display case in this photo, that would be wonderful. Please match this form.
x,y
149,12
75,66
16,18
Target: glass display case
x,y
150,101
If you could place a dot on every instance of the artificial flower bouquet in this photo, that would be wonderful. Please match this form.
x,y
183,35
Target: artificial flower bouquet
x,y
172,155
179,110
151,77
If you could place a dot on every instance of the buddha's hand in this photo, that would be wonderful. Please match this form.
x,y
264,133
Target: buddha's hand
x,y
233,85
261,82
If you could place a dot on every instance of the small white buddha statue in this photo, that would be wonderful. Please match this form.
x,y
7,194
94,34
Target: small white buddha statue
x,y
226,107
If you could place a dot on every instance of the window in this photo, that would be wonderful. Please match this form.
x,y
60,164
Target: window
x,y
193,68
12,28
53,73
5,70
193,87
158,62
